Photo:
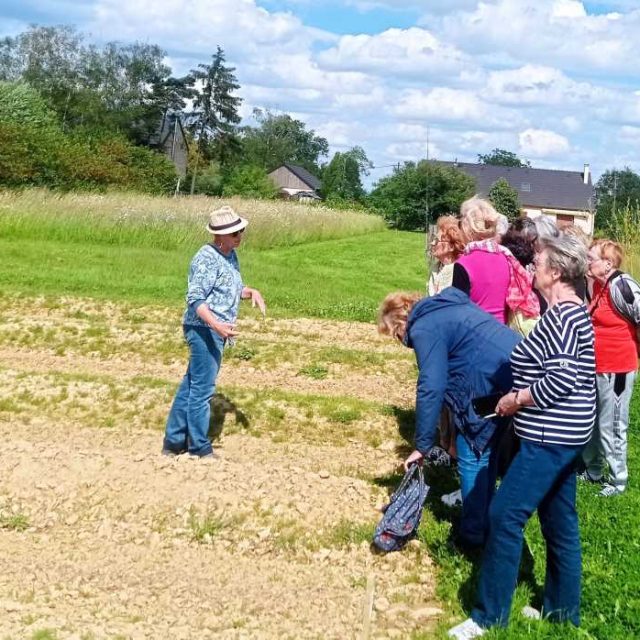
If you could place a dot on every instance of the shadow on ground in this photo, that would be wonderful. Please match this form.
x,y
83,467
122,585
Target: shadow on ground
x,y
221,407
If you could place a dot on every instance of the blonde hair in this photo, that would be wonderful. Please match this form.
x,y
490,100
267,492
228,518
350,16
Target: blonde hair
x,y
478,219
394,311
574,230
609,250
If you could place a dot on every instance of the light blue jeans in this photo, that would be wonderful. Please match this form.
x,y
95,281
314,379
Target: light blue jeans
x,y
188,422
477,484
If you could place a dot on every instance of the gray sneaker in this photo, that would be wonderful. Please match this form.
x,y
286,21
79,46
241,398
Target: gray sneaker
x,y
609,490
585,476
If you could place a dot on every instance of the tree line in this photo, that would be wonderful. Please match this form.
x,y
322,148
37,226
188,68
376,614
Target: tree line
x,y
103,106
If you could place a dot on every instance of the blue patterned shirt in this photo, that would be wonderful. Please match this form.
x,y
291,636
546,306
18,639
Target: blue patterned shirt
x,y
215,280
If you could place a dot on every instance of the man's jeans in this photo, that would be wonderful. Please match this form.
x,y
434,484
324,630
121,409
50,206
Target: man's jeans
x,y
477,484
542,477
188,422
609,440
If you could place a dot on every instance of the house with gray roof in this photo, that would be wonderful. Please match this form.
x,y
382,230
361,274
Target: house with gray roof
x,y
296,182
566,196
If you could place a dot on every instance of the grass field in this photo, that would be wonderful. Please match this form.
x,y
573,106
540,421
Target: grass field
x,y
89,339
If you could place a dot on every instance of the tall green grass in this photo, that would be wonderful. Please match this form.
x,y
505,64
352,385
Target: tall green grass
x,y
307,261
166,223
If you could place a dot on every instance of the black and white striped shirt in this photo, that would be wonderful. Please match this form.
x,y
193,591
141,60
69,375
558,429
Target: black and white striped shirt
x,y
557,363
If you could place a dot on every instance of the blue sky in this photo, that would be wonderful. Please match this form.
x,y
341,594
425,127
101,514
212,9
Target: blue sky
x,y
556,81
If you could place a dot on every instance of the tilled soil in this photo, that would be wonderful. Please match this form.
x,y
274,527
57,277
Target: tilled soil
x,y
105,538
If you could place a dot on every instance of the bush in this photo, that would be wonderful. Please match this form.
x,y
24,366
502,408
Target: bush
x,y
249,182
34,151
416,194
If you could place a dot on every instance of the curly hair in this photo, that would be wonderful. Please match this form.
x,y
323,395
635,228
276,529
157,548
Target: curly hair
x,y
478,219
449,230
521,247
394,311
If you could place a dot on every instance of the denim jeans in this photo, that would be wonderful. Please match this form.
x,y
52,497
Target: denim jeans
x,y
188,421
542,477
609,440
477,484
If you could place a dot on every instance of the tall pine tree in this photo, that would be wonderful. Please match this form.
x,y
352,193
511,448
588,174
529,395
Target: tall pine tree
x,y
214,116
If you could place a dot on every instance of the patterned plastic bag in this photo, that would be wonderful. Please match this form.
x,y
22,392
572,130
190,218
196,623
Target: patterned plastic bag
x,y
403,513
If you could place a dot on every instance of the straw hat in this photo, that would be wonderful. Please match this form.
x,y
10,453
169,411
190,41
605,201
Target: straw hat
x,y
224,221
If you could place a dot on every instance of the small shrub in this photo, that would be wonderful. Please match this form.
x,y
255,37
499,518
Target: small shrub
x,y
343,415
241,353
205,528
314,371
14,522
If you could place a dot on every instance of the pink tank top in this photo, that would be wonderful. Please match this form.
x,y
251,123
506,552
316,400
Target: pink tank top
x,y
489,278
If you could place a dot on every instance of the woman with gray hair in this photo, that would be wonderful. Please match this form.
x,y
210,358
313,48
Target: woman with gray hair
x,y
553,409
214,291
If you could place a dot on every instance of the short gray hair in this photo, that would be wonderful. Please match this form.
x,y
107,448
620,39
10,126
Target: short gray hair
x,y
566,254
546,227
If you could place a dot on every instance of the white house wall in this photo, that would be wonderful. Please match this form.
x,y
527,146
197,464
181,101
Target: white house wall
x,y
582,219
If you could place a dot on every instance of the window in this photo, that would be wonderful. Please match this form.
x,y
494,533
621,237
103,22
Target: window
x,y
525,186
564,220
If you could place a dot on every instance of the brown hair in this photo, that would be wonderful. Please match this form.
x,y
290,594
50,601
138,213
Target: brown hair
x,y
449,229
609,250
394,311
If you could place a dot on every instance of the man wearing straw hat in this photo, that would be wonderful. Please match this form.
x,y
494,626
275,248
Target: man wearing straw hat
x,y
214,291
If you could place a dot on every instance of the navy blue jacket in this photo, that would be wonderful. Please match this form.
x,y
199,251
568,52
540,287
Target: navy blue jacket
x,y
462,353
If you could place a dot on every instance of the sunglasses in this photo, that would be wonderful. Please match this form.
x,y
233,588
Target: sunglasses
x,y
235,234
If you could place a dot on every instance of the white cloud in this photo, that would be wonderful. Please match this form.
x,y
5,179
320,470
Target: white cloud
x,y
410,52
630,134
244,29
552,32
443,104
568,9
539,85
541,143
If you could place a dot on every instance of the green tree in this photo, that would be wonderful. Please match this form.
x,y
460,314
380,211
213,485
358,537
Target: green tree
x,y
124,88
279,138
35,151
615,190
505,199
342,177
502,158
415,195
214,116
249,181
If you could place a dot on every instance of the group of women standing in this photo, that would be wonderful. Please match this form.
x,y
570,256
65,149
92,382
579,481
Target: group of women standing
x,y
567,361
505,322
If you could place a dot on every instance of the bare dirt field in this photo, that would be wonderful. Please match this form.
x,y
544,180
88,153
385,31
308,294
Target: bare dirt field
x,y
103,537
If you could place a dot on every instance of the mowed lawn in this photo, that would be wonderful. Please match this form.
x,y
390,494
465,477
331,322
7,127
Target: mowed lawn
x,y
345,279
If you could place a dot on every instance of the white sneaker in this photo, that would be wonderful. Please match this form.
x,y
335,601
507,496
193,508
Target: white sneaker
x,y
466,630
452,499
609,490
531,612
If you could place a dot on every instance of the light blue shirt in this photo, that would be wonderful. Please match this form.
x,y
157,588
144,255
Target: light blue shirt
x,y
215,280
